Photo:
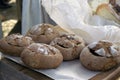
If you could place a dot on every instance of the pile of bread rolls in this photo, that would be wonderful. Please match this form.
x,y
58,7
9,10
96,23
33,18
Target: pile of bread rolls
x,y
46,46
108,9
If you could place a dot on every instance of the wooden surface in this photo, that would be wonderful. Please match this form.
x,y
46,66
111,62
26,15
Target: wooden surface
x,y
10,70
8,73
107,75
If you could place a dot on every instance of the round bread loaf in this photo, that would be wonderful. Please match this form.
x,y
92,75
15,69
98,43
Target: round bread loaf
x,y
41,56
45,33
14,44
69,45
100,56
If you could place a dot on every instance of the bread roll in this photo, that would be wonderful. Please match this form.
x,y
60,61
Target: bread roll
x,y
41,56
106,11
110,10
45,33
69,45
100,56
14,44
95,3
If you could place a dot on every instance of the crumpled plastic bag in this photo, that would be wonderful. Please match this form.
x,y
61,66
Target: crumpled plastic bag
x,y
76,15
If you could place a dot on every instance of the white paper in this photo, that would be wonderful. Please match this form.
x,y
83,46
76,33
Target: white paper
x,y
76,15
70,70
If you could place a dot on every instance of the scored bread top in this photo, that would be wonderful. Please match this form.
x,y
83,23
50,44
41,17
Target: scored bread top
x,y
18,40
41,29
103,48
42,49
67,41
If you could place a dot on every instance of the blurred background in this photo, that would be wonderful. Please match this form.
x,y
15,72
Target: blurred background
x,y
9,18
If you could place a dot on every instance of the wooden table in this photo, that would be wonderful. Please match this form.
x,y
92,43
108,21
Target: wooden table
x,y
10,70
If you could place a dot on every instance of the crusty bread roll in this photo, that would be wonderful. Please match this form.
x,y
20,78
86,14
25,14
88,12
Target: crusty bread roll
x,y
95,3
45,33
41,56
14,44
69,45
106,11
100,56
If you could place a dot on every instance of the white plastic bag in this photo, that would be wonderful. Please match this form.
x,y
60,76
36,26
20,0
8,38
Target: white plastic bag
x,y
76,15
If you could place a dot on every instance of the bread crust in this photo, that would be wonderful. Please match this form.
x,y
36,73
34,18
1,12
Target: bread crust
x,y
70,48
12,45
106,11
97,63
45,33
40,60
102,6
